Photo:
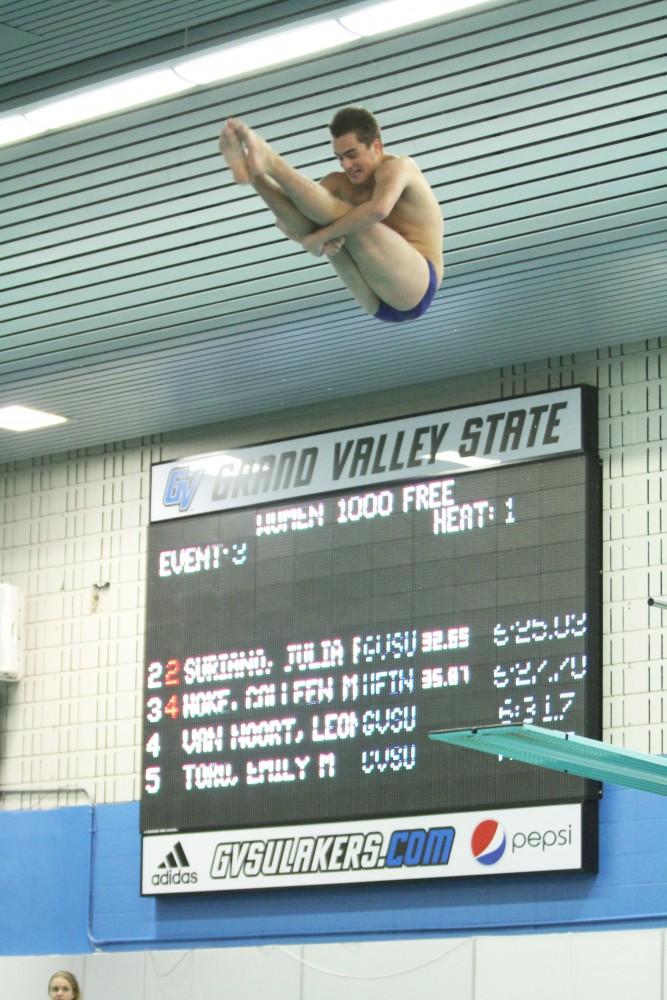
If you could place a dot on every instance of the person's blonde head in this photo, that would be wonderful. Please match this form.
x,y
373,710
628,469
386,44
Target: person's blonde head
x,y
63,985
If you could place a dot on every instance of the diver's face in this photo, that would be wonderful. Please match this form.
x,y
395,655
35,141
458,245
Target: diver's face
x,y
358,160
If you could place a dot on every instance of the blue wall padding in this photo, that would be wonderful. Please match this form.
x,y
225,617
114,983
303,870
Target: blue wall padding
x,y
44,865
45,875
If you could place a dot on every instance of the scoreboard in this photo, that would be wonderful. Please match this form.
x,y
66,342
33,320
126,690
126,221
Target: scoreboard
x,y
311,618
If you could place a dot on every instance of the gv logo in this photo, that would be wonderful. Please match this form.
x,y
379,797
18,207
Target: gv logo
x,y
181,487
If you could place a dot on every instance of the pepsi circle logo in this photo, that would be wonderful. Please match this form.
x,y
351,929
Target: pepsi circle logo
x,y
488,842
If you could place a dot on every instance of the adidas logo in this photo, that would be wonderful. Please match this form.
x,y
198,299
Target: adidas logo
x,y
170,871
177,858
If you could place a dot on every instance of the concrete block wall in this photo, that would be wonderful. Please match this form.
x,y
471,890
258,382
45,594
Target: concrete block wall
x,y
73,537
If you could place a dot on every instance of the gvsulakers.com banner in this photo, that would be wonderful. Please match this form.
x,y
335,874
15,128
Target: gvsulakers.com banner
x,y
444,442
492,842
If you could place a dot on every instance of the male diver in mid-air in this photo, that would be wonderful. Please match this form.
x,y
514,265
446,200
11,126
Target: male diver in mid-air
x,y
378,221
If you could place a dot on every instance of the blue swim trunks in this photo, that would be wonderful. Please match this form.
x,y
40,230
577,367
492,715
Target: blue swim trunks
x,y
391,315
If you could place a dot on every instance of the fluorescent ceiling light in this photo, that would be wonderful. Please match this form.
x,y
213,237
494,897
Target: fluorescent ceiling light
x,y
96,101
564,752
471,462
24,418
15,127
222,63
393,14
262,52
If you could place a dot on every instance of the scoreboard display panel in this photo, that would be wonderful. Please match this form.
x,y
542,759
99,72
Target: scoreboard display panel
x,y
299,651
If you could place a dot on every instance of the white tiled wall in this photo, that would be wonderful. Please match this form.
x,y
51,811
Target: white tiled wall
x,y
74,539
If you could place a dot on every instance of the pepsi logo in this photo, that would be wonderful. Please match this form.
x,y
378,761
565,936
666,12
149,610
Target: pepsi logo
x,y
488,842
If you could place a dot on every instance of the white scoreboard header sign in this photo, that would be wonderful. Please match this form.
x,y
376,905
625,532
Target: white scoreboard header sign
x,y
445,442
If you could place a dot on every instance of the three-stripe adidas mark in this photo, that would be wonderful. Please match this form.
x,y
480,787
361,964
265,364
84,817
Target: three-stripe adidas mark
x,y
177,858
175,869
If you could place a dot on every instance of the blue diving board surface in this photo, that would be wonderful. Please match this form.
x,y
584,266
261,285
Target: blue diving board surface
x,y
564,752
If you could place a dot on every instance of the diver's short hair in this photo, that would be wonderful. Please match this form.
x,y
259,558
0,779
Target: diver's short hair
x,y
357,120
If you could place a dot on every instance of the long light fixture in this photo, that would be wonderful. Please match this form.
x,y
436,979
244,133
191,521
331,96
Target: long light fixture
x,y
103,100
564,752
14,128
25,418
259,53
222,63
393,14
466,462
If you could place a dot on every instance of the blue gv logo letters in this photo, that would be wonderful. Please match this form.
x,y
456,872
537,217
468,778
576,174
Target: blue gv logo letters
x,y
181,487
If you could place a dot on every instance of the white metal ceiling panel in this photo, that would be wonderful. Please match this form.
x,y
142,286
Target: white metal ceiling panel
x,y
141,290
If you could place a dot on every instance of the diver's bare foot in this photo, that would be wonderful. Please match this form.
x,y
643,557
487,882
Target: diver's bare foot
x,y
258,153
232,150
